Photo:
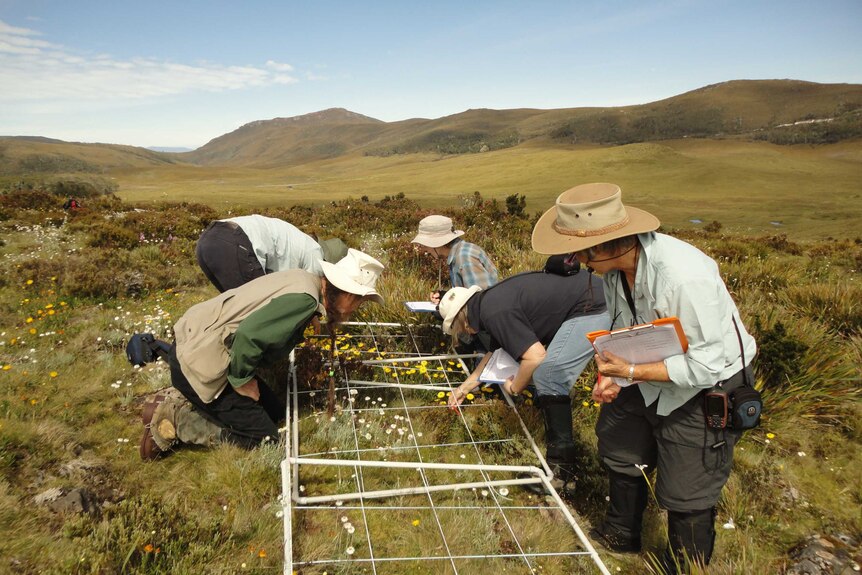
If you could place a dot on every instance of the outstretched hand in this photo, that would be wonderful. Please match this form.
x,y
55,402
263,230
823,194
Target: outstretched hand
x,y
456,398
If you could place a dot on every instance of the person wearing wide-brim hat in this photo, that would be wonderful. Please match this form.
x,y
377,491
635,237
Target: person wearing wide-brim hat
x,y
469,265
237,250
541,320
659,421
222,342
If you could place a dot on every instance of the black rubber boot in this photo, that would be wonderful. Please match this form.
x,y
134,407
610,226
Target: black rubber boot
x,y
559,442
620,531
691,538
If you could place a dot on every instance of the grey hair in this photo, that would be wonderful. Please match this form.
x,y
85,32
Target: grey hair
x,y
612,246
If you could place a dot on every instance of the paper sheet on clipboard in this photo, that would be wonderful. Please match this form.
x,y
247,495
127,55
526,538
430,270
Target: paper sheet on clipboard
x,y
500,367
421,306
645,343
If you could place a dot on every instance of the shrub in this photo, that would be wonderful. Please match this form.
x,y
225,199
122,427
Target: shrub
x,y
111,235
779,355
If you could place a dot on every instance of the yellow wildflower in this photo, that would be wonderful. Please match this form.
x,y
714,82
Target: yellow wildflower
x,y
53,374
7,367
470,396
49,306
441,394
770,435
415,523
29,320
29,282
51,312
32,331
261,553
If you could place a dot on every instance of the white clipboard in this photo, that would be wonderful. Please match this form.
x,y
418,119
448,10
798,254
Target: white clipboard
x,y
644,343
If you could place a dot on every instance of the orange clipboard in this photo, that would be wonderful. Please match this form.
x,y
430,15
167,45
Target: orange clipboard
x,y
642,328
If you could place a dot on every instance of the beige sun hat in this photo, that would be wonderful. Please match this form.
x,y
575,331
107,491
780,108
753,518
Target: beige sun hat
x,y
452,302
436,231
355,273
587,215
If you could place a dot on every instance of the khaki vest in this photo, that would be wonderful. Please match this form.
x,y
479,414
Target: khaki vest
x,y
202,332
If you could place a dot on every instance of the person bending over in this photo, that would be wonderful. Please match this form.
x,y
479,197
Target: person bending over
x,y
541,320
237,250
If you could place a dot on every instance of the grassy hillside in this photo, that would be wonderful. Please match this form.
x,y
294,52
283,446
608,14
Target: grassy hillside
x,y
779,111
74,287
809,192
753,108
32,156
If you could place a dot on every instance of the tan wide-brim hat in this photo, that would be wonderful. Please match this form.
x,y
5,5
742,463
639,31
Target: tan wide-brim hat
x,y
436,231
452,302
587,215
355,273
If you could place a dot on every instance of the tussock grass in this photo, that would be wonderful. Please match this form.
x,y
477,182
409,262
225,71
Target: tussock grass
x,y
808,191
214,510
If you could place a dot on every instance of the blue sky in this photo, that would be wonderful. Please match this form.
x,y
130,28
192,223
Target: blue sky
x,y
181,73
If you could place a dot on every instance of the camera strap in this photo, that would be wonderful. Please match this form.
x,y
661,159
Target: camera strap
x,y
741,352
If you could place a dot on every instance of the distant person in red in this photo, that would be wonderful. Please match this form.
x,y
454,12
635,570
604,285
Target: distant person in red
x,y
237,250
71,204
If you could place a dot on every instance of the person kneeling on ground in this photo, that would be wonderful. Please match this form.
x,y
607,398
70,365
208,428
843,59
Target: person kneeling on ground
x,y
540,319
220,343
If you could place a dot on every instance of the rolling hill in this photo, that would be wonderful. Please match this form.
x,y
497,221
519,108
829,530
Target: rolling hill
x,y
752,108
782,111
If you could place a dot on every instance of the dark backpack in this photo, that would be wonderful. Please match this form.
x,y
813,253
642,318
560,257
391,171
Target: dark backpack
x,y
143,348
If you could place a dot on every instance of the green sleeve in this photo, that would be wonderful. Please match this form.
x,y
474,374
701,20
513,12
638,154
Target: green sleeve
x,y
268,333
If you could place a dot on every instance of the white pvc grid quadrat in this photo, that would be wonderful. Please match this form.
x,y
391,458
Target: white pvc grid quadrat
x,y
452,505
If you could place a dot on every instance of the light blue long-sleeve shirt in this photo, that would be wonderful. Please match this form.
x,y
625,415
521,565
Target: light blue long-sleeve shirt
x,y
279,245
674,278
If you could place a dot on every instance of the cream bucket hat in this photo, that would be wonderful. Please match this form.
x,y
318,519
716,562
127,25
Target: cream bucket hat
x,y
452,302
355,273
436,231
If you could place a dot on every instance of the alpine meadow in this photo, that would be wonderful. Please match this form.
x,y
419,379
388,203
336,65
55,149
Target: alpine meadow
x,y
765,177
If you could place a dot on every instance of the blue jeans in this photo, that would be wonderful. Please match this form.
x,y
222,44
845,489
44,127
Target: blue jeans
x,y
567,355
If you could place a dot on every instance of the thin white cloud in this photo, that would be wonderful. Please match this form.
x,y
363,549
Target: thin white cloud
x,y
34,71
279,66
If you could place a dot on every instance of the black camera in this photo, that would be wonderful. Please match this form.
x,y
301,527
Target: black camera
x,y
715,408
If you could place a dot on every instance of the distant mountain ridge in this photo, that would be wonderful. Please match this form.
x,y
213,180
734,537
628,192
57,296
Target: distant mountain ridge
x,y
729,109
781,111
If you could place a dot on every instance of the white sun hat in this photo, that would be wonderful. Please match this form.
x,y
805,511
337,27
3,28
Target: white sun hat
x,y
355,273
436,231
452,302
